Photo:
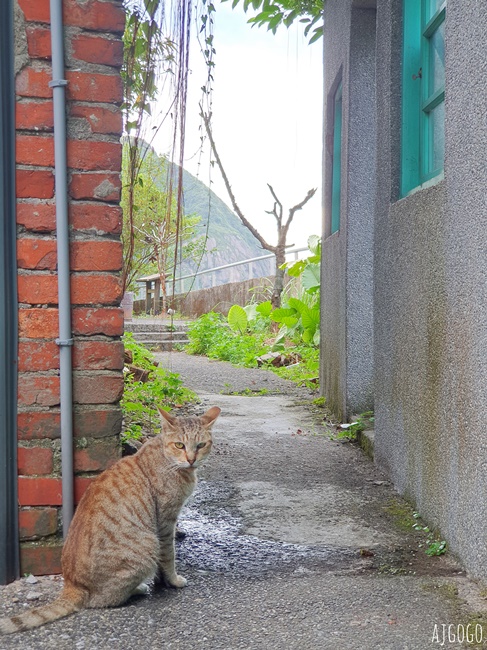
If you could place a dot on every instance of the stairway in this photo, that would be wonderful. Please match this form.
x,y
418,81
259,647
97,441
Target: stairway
x,y
157,334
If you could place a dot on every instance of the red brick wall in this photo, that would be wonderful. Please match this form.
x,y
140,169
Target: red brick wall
x,y
93,56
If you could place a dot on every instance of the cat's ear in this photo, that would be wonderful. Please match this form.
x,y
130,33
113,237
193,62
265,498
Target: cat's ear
x,y
167,419
210,416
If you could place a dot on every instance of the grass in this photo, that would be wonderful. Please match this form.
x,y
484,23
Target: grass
x,y
352,430
210,335
246,392
141,400
406,518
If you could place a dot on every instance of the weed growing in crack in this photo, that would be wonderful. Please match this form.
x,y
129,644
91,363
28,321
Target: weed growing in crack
x,y
434,545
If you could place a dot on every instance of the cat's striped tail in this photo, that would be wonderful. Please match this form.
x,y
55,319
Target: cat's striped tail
x,y
69,601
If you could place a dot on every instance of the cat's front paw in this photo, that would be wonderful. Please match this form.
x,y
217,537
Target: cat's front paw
x,y
178,581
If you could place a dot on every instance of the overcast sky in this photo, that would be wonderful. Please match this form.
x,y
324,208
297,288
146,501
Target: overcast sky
x,y
267,120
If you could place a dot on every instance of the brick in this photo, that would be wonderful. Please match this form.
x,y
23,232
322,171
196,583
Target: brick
x,y
101,119
81,484
37,522
34,461
34,184
104,219
95,289
98,455
34,150
40,560
40,491
35,10
98,186
97,423
37,289
36,425
92,320
38,323
36,254
82,86
34,82
98,355
98,49
94,156
91,87
41,254
85,289
38,356
34,115
36,217
97,388
38,42
47,491
90,14
38,389
96,255
95,15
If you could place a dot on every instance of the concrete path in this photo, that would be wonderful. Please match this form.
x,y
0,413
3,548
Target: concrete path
x,y
294,542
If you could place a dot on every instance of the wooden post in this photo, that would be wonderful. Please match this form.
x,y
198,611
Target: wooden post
x,y
157,296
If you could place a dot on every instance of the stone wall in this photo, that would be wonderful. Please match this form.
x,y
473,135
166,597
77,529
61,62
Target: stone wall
x,y
218,299
93,54
431,295
347,366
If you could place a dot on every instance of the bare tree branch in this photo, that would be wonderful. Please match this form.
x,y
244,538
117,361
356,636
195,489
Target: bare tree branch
x,y
282,229
277,203
273,212
299,206
243,219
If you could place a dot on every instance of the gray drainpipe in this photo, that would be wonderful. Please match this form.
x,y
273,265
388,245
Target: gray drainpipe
x,y
9,516
65,341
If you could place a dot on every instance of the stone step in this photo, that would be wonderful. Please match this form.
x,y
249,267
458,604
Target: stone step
x,y
160,336
141,326
162,346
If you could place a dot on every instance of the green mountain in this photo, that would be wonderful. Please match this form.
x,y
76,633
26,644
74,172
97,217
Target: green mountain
x,y
228,239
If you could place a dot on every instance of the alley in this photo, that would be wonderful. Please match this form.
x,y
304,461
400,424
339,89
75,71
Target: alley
x,y
293,541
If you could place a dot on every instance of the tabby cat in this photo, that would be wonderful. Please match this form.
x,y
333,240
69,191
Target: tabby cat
x,y
122,533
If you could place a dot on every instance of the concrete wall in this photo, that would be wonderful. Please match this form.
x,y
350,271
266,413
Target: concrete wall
x,y
219,298
94,92
431,295
347,255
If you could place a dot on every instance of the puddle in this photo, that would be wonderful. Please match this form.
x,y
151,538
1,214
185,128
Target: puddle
x,y
215,542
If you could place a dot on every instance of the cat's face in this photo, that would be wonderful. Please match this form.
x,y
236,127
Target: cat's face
x,y
187,441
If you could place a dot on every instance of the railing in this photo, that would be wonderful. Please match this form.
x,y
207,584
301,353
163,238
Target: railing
x,y
152,281
180,282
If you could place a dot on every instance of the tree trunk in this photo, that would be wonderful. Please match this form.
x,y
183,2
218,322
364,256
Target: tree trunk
x,y
280,273
277,211
162,262
163,296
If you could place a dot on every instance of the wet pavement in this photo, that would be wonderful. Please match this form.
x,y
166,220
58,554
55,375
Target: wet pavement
x,y
292,541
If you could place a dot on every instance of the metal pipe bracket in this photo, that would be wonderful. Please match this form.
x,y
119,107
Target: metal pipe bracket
x,y
57,82
62,342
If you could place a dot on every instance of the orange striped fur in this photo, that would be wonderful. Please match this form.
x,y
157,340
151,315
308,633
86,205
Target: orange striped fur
x,y
122,533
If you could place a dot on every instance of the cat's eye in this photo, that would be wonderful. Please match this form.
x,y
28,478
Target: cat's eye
x,y
200,445
179,445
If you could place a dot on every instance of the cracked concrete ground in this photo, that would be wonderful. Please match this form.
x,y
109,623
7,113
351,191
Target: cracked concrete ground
x,y
293,541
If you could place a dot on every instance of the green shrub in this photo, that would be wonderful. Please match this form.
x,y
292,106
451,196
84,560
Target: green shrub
x,y
211,335
203,332
237,319
250,332
141,400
